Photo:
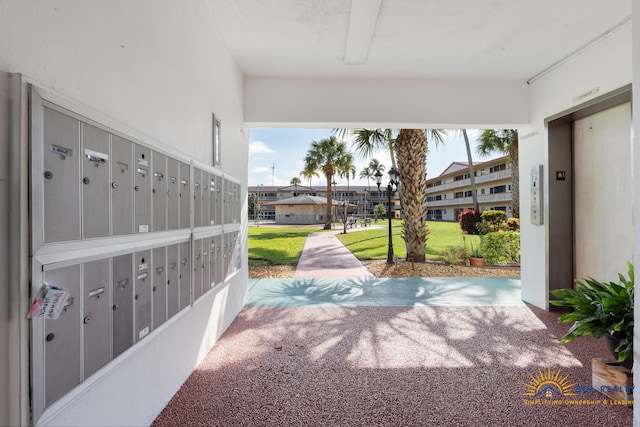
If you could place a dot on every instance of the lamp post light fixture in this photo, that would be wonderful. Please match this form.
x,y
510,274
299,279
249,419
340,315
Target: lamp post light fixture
x,y
394,181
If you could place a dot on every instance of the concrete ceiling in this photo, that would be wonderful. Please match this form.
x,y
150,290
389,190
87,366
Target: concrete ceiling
x,y
413,39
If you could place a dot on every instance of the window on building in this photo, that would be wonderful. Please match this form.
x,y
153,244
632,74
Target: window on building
x,y
468,193
496,168
482,190
498,189
458,195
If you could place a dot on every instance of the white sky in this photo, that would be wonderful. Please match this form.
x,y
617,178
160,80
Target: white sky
x,y
285,149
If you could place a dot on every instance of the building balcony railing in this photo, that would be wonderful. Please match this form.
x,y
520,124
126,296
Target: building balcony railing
x,y
468,201
495,176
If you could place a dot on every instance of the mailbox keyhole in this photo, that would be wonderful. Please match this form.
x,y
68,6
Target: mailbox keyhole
x,y
48,174
50,337
135,188
85,181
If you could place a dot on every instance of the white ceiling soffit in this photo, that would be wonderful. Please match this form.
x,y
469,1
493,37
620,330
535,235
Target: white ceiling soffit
x,y
362,23
412,39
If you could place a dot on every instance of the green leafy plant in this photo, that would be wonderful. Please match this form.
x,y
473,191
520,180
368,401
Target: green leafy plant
x,y
502,247
600,308
476,249
455,255
492,220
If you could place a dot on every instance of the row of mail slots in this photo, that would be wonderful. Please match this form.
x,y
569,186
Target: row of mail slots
x,y
98,184
116,302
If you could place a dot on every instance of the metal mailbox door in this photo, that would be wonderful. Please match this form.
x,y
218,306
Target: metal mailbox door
x,y
213,258
159,191
142,294
212,200
237,204
185,275
219,200
142,189
219,239
225,255
96,322
197,198
159,287
185,196
62,337
173,194
122,303
122,170
206,284
61,135
173,281
225,202
206,195
95,182
197,269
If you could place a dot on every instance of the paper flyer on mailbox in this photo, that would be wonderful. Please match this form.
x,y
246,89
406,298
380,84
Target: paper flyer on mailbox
x,y
49,302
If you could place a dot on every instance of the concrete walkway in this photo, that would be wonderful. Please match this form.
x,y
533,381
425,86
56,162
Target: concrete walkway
x,y
324,256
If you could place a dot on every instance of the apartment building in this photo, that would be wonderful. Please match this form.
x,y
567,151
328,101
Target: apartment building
x,y
449,193
363,199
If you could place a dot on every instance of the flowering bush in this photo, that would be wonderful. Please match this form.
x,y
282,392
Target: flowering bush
x,y
513,224
468,219
492,220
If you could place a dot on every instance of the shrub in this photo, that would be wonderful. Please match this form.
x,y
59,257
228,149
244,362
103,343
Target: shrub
x,y
513,224
492,220
454,255
468,219
502,247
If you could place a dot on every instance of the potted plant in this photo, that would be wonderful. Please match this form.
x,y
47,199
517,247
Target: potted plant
x,y
475,254
601,309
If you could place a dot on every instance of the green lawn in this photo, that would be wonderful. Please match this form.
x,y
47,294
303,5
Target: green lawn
x,y
372,244
283,245
277,245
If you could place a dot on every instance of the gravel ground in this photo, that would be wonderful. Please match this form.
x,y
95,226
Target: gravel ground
x,y
380,268
391,366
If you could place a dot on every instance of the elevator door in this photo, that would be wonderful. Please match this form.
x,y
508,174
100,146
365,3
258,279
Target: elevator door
x,y
603,193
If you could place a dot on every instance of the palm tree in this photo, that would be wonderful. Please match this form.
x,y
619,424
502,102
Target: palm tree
x,y
506,142
346,169
472,172
326,155
295,181
411,154
309,174
376,166
368,174
411,149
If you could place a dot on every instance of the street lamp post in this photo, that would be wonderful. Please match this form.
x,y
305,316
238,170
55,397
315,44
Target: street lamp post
x,y
394,176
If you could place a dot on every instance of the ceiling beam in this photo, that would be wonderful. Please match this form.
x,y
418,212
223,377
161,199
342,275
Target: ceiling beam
x,y
362,23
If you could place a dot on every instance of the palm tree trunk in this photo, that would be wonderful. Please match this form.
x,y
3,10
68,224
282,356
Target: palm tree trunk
x,y
329,220
472,176
515,178
411,149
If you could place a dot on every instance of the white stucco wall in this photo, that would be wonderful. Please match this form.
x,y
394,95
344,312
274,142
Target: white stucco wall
x,y
157,70
384,103
605,66
635,171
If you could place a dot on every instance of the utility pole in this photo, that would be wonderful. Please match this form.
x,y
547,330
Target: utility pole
x,y
273,170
